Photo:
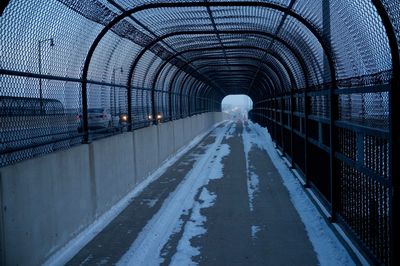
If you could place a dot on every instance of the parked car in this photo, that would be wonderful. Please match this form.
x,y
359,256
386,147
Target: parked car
x,y
101,118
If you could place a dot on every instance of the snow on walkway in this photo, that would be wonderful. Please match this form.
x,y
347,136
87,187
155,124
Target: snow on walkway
x,y
181,211
75,245
328,248
252,178
147,247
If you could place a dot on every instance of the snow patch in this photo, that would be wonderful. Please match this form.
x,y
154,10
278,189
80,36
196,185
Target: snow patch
x,y
150,202
252,178
194,227
254,230
252,187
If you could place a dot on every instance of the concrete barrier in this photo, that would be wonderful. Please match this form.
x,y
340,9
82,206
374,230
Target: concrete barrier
x,y
46,201
196,125
166,141
187,129
146,149
113,168
179,134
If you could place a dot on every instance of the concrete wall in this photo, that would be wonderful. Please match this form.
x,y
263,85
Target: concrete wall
x,y
46,201
179,134
187,130
112,170
146,147
166,141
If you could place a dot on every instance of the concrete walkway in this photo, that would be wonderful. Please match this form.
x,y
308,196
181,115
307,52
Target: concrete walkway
x,y
223,203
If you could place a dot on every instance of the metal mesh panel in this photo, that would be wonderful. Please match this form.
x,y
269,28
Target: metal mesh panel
x,y
370,109
113,54
256,18
273,61
294,64
175,19
320,106
308,47
21,35
364,207
165,78
357,35
31,125
393,8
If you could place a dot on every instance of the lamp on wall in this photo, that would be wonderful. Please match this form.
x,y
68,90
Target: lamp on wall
x,y
51,41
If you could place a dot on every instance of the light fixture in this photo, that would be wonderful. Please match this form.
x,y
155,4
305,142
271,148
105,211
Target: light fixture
x,y
150,117
51,40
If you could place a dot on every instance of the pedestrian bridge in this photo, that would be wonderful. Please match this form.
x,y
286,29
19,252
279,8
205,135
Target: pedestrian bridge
x,y
99,97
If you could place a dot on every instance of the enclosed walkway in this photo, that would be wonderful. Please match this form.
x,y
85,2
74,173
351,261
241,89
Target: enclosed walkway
x,y
221,203
96,94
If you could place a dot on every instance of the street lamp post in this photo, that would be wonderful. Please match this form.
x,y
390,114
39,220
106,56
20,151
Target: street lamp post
x,y
40,69
114,92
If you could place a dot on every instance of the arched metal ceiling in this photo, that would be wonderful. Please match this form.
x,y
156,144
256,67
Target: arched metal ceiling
x,y
142,36
155,48
314,43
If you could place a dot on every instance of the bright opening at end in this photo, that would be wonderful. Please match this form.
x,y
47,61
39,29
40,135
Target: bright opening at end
x,y
237,106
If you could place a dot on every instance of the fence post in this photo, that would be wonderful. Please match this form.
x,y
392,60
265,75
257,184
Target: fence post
x,y
170,105
281,103
153,106
333,116
306,145
129,102
275,120
85,124
181,104
291,126
394,96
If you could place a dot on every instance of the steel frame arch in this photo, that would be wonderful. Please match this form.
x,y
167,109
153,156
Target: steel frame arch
x,y
284,42
161,38
299,61
215,49
272,84
235,64
274,55
187,75
279,76
275,82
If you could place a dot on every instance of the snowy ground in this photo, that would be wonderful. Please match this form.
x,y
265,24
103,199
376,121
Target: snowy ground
x,y
328,248
157,232
154,236
71,248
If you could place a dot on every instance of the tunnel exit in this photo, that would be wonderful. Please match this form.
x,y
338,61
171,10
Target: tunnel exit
x,y
237,106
